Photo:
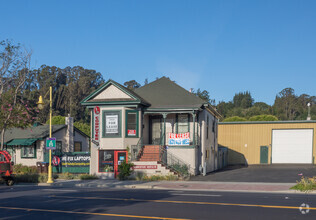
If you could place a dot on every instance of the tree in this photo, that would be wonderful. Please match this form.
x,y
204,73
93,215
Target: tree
x,y
286,104
14,63
204,95
243,100
132,84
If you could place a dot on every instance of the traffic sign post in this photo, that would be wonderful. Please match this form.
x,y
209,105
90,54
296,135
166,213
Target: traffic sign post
x,y
51,143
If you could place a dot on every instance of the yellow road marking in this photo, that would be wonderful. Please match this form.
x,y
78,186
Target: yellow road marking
x,y
90,213
190,202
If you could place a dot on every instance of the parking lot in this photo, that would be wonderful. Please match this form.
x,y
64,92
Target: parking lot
x,y
274,173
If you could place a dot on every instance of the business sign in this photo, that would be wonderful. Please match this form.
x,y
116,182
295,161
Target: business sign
x,y
79,160
179,139
112,124
51,143
144,167
96,136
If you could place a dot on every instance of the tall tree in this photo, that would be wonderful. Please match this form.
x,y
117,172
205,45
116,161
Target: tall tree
x,y
132,84
286,104
243,100
14,70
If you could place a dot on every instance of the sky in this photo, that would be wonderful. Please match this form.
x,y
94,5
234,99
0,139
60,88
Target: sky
x,y
224,47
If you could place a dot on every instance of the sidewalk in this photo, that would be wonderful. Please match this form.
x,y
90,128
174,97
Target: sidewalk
x,y
180,185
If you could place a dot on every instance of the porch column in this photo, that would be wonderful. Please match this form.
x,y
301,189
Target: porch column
x,y
193,119
164,115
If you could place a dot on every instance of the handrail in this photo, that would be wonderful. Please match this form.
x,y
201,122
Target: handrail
x,y
136,150
174,163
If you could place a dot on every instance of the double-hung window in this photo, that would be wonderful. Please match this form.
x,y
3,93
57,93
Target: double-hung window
x,y
28,151
183,123
131,123
111,124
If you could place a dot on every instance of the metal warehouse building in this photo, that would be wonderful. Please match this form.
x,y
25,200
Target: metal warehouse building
x,y
277,142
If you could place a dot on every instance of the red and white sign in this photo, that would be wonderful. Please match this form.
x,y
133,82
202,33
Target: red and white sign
x,y
96,136
55,160
144,167
181,136
131,132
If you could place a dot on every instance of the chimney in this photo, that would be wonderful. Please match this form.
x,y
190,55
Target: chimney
x,y
70,133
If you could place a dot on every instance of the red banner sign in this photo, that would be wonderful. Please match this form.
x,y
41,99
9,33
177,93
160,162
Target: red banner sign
x,y
131,132
96,136
182,135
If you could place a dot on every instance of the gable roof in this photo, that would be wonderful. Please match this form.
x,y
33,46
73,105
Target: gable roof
x,y
165,94
39,132
130,97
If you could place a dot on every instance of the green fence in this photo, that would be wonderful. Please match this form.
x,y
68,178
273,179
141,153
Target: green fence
x,y
77,162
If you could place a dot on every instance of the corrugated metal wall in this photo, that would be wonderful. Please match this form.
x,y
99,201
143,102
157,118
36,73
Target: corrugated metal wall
x,y
244,139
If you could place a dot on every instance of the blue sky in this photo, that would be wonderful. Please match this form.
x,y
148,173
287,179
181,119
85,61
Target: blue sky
x,y
223,47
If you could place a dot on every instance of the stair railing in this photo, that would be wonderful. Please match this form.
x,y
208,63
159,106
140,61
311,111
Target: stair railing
x,y
136,150
174,163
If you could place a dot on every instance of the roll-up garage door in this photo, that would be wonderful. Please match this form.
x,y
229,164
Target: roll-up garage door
x,y
292,146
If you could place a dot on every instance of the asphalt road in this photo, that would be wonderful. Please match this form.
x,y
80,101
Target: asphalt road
x,y
33,202
271,173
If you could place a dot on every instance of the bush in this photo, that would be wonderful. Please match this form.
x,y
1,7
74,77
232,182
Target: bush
x,y
31,178
88,177
234,118
306,184
21,169
263,118
160,177
67,176
181,169
125,170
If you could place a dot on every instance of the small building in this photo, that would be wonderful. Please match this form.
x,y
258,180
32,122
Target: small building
x,y
275,142
162,127
28,146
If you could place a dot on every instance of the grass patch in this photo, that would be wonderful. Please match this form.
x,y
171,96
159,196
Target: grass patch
x,y
142,177
306,184
88,177
22,169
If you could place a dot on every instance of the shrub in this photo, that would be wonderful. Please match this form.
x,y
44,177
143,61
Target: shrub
x,y
31,178
21,169
125,170
67,176
263,118
160,177
306,184
181,169
88,177
234,118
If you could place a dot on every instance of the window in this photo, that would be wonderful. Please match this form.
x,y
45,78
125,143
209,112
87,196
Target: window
x,y
106,160
131,123
78,147
28,151
59,146
213,128
111,126
183,123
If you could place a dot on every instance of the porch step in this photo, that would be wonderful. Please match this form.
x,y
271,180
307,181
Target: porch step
x,y
150,153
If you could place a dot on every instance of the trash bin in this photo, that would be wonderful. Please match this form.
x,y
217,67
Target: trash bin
x,y
44,167
39,167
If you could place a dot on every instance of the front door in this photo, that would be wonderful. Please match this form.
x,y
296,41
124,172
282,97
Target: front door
x,y
155,131
264,152
119,157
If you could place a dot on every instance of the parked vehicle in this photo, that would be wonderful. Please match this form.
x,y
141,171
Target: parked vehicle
x,y
6,168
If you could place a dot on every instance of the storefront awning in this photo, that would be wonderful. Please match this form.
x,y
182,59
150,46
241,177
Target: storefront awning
x,y
24,142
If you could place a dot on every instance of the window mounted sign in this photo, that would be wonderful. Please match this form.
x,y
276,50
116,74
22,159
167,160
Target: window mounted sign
x,y
179,139
96,136
131,132
112,124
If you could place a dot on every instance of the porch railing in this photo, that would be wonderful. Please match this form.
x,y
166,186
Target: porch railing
x,y
174,163
136,150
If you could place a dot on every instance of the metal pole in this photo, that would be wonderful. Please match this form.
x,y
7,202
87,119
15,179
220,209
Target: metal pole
x,y
50,170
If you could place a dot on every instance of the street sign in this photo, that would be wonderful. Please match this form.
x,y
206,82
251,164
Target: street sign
x,y
51,143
